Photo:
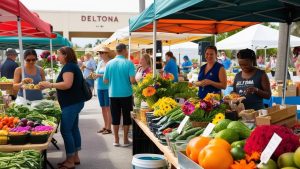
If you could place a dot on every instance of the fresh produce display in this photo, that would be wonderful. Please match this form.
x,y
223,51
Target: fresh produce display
x,y
42,129
5,80
26,159
3,137
6,122
19,130
164,105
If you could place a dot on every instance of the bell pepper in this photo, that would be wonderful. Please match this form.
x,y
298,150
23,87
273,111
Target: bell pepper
x,y
194,147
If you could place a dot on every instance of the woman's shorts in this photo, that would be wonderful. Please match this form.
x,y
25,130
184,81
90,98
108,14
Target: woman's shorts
x,y
103,98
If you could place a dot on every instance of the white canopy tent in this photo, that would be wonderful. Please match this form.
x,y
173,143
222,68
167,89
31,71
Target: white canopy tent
x,y
255,37
179,50
139,40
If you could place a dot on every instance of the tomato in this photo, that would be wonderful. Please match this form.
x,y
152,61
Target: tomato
x,y
16,120
1,126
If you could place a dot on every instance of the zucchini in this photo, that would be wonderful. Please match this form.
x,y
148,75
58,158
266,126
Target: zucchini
x,y
175,113
190,137
198,133
170,124
188,133
173,135
169,113
178,117
163,120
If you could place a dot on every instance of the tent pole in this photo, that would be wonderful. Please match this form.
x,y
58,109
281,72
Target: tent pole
x,y
21,52
51,59
215,39
287,43
265,55
154,47
129,46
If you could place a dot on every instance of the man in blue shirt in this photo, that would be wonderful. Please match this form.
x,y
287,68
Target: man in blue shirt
x,y
120,74
225,61
88,67
9,66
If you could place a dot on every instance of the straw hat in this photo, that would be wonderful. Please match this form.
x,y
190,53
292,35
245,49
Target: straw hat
x,y
104,49
111,53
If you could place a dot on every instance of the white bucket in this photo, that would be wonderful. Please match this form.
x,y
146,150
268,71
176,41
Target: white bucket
x,y
148,161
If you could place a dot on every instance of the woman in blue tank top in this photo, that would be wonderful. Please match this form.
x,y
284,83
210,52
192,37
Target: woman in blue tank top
x,y
251,82
212,77
33,74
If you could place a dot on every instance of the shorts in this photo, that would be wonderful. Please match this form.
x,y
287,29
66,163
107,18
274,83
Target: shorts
x,y
90,82
103,98
120,105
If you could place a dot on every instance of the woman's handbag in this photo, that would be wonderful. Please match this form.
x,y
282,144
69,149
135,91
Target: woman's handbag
x,y
87,93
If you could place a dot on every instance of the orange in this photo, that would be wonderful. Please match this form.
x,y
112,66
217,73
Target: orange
x,y
194,147
212,157
220,143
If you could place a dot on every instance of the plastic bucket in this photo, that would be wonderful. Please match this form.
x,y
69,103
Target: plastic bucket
x,y
148,161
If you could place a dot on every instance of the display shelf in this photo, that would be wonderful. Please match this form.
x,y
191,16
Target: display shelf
x,y
164,149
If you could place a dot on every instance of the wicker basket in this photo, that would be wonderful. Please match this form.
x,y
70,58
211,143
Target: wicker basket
x,y
3,140
6,85
199,124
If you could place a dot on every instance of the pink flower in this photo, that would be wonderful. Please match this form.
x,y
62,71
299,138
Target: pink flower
x,y
53,58
188,108
45,54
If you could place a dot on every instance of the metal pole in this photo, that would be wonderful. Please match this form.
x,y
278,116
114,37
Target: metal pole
x,y
265,55
287,43
154,47
129,46
215,39
142,5
51,59
21,52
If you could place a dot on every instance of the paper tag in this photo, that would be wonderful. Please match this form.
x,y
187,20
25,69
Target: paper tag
x,y
270,148
209,128
182,124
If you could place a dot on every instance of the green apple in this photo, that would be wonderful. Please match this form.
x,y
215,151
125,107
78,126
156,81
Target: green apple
x,y
271,164
289,168
286,160
297,157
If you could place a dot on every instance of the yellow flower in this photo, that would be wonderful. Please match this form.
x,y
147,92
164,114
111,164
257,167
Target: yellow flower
x,y
220,116
215,121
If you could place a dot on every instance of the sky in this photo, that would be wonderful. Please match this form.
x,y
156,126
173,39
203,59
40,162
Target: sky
x,y
85,5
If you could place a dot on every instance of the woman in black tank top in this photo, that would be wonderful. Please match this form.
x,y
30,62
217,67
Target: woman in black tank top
x,y
251,82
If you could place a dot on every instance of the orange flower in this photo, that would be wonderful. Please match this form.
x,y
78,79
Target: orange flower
x,y
242,164
255,156
149,91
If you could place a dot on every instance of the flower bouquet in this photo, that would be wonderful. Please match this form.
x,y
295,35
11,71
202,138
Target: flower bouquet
x,y
45,61
164,105
202,112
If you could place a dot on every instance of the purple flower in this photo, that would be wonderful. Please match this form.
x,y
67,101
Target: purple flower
x,y
188,108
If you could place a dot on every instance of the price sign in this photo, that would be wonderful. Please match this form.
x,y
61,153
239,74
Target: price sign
x,y
209,128
182,124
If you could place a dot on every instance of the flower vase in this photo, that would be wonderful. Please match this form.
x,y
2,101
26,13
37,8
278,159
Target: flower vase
x,y
137,102
199,124
151,101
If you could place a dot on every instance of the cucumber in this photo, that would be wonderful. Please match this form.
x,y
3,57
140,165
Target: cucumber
x,y
173,135
179,117
163,120
190,137
169,113
198,133
175,113
188,133
170,124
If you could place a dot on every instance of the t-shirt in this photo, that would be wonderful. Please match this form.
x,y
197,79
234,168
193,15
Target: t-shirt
x,y
8,68
75,93
252,101
90,64
118,72
100,70
186,66
213,75
171,67
226,63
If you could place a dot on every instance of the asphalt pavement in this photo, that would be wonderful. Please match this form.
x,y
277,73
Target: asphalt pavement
x,y
97,151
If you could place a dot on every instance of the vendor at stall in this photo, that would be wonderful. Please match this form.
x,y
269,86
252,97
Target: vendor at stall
x,y
171,66
212,77
33,74
251,82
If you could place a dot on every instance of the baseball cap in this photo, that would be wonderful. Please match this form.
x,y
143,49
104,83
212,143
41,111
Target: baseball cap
x,y
11,52
120,47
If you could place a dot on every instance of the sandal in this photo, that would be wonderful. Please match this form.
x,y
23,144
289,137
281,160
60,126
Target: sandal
x,y
107,131
102,130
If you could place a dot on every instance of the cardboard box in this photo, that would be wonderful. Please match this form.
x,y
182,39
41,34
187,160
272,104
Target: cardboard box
x,y
286,116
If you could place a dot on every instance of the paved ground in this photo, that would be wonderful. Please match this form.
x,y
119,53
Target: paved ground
x,y
97,149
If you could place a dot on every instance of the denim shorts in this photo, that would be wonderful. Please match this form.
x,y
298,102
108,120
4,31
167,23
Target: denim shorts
x,y
103,98
90,82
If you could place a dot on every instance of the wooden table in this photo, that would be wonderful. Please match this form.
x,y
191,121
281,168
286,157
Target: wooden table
x,y
164,149
39,147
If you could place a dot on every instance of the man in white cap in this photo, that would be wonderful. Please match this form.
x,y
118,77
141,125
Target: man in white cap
x,y
9,66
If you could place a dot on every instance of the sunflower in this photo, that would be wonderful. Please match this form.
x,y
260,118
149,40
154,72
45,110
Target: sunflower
x,y
149,91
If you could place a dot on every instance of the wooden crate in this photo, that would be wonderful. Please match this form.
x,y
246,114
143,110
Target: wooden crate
x,y
286,117
6,85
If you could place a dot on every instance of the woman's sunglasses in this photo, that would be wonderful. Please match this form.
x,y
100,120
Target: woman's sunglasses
x,y
30,60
